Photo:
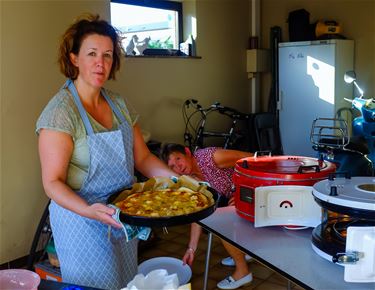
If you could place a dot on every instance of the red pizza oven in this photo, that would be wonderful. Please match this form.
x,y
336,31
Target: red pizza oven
x,y
252,172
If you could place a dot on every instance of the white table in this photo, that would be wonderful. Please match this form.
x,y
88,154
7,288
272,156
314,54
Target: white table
x,y
287,252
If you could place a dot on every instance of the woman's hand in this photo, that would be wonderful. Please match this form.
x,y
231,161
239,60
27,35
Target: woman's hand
x,y
195,232
103,213
188,258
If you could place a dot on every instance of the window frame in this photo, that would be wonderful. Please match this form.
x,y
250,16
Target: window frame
x,y
160,4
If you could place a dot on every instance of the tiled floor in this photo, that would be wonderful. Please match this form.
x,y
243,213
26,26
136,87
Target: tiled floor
x,y
174,243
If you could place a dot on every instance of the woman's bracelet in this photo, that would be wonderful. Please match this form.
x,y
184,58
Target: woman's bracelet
x,y
190,249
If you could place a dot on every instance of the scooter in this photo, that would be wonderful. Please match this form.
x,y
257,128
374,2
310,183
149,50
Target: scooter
x,y
354,154
365,124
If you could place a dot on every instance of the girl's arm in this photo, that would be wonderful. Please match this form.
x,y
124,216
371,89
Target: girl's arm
x,y
195,233
226,158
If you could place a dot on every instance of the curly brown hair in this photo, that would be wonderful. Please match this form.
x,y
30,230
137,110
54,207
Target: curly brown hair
x,y
71,41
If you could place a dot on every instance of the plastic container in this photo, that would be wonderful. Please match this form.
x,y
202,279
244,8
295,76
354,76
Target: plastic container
x,y
52,255
18,279
170,264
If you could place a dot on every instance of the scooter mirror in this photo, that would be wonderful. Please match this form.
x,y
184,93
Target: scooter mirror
x,y
349,77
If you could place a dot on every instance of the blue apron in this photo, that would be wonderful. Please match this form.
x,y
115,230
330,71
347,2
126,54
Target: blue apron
x,y
88,256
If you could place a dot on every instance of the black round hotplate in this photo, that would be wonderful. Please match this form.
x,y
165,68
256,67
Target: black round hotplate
x,y
330,236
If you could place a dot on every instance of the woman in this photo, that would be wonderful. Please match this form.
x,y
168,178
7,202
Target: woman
x,y
215,166
89,143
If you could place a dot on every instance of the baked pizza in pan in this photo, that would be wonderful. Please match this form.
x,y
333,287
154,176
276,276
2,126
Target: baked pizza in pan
x,y
164,203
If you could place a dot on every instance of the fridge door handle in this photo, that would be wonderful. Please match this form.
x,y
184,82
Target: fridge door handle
x,y
279,104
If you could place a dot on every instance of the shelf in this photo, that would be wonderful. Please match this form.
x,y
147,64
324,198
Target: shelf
x,y
163,56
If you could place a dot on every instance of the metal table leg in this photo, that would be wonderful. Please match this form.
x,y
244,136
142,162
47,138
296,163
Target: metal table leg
x,y
207,266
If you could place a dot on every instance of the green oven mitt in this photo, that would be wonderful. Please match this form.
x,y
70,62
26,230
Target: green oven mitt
x,y
131,232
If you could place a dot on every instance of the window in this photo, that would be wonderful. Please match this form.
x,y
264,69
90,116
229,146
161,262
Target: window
x,y
147,24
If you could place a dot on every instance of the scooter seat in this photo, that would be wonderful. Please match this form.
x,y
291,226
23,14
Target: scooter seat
x,y
358,144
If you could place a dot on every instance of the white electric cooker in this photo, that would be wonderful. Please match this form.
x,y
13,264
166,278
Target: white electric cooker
x,y
346,235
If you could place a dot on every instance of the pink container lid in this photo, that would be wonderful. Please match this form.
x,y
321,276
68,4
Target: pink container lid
x,y
18,279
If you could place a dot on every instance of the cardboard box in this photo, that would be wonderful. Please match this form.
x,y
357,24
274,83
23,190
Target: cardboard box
x,y
48,272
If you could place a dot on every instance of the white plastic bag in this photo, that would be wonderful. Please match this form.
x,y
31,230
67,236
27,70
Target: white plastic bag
x,y
156,279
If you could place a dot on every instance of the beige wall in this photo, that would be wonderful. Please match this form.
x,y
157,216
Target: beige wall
x,y
357,19
156,87
29,77
218,76
30,31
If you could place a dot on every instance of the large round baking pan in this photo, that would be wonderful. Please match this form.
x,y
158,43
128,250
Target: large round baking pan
x,y
167,221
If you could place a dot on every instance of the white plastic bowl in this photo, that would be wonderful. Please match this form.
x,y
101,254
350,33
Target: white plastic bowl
x,y
172,265
17,279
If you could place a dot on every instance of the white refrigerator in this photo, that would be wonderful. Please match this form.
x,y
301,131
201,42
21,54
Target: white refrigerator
x,y
311,85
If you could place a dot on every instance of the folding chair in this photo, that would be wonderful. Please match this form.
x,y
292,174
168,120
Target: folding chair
x,y
267,133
